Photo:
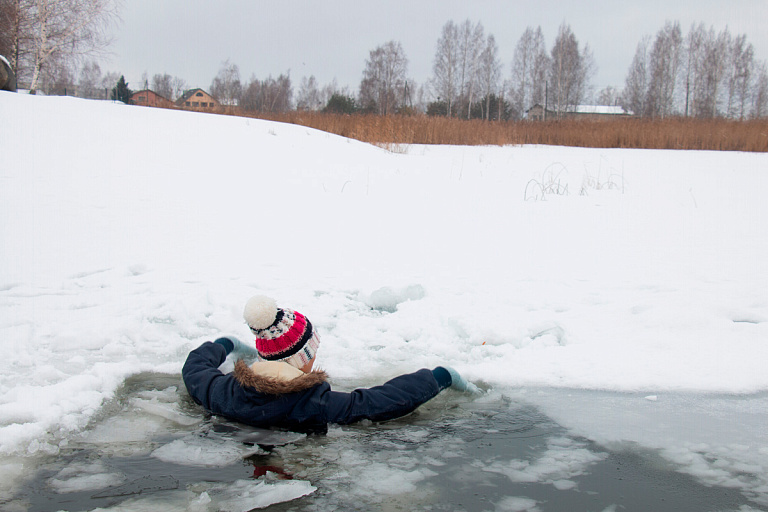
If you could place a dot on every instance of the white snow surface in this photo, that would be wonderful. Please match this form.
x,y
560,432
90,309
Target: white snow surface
x,y
130,235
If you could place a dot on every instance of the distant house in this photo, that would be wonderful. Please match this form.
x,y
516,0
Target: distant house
x,y
590,112
149,98
197,99
539,113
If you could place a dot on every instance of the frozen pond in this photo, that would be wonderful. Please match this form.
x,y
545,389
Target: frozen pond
x,y
646,281
152,448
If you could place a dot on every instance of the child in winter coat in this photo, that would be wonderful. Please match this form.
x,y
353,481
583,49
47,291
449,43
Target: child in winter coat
x,y
281,389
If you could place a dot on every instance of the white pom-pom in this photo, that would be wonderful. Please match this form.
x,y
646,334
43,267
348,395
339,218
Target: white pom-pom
x,y
260,312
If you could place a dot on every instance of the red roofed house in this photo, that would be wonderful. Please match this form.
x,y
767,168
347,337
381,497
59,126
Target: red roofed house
x,y
149,98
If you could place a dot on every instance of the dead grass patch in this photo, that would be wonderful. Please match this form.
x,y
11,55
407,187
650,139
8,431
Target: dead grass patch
x,y
672,133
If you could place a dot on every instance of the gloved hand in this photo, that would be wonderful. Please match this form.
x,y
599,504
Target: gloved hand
x,y
238,350
459,383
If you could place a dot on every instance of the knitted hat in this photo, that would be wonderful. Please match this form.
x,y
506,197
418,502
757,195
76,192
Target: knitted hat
x,y
281,334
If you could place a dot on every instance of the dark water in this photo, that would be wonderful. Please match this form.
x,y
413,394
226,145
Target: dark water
x,y
455,453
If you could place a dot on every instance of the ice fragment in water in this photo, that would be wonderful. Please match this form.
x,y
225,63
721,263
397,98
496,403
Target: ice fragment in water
x,y
244,495
145,484
515,504
169,411
198,451
254,435
86,482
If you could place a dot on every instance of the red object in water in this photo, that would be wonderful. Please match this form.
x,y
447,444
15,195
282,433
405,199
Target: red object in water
x,y
262,470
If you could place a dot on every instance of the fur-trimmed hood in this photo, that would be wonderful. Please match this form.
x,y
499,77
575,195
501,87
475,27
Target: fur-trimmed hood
x,y
274,385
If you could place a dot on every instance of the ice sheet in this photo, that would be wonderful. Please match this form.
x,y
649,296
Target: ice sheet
x,y
563,460
720,440
198,451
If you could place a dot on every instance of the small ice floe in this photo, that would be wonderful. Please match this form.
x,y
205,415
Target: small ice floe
x,y
143,485
252,435
165,405
563,460
168,411
238,496
198,451
84,477
200,504
244,495
124,432
652,398
517,504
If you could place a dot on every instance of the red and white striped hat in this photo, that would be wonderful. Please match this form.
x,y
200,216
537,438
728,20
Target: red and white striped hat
x,y
281,334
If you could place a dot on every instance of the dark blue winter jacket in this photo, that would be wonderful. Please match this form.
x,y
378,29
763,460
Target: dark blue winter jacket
x,y
306,403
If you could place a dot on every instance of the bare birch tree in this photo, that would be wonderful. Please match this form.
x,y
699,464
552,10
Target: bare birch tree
x,y
59,31
58,78
90,80
663,70
570,70
471,41
226,86
269,95
277,93
383,85
608,96
178,85
740,77
445,68
489,74
309,97
163,85
694,48
759,107
529,71
713,63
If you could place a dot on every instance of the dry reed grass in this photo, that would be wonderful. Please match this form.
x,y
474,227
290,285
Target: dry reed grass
x,y
672,133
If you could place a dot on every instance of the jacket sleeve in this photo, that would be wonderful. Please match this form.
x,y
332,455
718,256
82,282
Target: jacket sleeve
x,y
392,399
201,373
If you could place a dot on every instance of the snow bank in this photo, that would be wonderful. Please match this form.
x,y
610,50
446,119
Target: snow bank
x,y
130,235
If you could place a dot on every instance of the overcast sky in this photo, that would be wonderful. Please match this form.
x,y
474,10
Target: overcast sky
x,y
331,39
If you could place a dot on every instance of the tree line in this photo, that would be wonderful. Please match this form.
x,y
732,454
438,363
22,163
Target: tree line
x,y
467,80
53,45
702,74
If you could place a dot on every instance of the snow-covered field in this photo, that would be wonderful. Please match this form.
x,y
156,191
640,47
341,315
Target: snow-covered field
x,y
130,235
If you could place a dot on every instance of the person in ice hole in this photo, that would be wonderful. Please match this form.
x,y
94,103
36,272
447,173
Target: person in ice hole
x,y
282,390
